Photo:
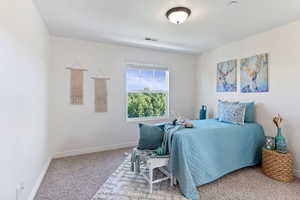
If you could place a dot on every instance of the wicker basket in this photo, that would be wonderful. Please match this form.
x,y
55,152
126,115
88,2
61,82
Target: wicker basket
x,y
278,166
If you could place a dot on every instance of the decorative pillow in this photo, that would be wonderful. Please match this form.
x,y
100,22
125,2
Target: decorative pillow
x,y
222,103
151,136
233,113
249,115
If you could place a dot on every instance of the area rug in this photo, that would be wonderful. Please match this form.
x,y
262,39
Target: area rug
x,y
245,184
124,184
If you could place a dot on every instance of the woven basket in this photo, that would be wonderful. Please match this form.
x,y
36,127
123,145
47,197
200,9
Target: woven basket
x,y
278,166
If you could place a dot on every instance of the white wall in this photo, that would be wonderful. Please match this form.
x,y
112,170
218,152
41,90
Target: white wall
x,y
77,128
23,85
283,47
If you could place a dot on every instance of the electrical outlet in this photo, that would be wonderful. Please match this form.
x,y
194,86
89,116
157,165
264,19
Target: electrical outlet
x,y
19,191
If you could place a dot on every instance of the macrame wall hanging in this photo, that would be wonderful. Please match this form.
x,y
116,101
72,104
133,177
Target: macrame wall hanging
x,y
76,89
100,93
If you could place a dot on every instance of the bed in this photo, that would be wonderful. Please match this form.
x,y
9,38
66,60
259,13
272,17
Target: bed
x,y
212,149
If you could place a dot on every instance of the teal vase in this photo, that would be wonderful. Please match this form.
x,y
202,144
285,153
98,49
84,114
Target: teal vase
x,y
202,113
281,146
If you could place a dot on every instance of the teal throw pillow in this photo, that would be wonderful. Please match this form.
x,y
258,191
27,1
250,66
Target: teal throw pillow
x,y
249,115
151,136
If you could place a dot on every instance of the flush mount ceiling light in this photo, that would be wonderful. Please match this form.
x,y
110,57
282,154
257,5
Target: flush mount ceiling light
x,y
151,39
233,2
178,15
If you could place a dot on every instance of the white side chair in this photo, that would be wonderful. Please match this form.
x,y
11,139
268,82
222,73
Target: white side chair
x,y
151,163
161,164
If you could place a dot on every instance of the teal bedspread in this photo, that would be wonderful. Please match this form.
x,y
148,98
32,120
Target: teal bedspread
x,y
212,149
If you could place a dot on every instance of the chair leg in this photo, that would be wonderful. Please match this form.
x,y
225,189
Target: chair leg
x,y
171,180
135,167
150,179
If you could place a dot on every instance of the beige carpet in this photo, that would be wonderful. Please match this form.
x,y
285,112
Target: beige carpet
x,y
80,177
250,184
245,184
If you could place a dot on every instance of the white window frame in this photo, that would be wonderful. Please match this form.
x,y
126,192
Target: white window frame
x,y
153,67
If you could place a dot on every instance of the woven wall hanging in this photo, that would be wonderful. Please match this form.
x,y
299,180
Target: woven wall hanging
x,y
100,93
76,85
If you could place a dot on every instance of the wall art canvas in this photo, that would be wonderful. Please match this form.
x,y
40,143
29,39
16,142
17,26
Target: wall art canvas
x,y
254,74
226,76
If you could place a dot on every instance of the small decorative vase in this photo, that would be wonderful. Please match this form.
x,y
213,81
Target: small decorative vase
x,y
281,146
270,143
202,114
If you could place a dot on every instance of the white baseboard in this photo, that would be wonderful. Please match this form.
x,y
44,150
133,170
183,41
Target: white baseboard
x,y
297,173
94,149
39,180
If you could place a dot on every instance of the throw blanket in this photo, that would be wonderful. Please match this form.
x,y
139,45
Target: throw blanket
x,y
212,149
166,146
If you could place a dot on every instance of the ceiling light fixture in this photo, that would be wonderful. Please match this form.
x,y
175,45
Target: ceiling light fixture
x,y
233,2
151,39
178,15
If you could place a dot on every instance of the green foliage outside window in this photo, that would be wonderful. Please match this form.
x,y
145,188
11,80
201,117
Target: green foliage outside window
x,y
146,104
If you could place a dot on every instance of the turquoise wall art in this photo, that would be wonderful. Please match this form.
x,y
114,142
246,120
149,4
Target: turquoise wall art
x,y
227,76
254,74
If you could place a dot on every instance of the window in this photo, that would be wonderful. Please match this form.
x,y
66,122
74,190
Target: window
x,y
147,93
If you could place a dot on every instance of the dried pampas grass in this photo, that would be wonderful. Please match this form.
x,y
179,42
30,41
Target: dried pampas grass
x,y
278,121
